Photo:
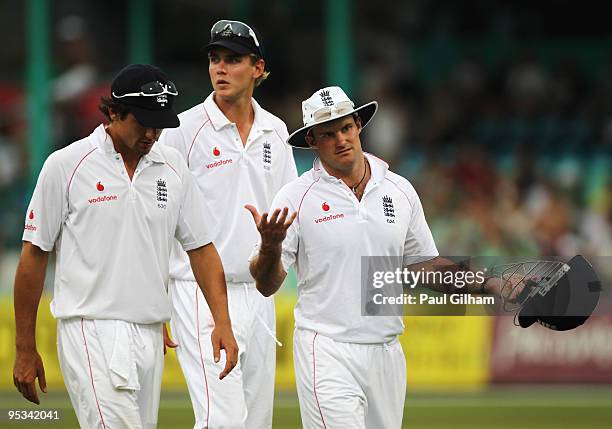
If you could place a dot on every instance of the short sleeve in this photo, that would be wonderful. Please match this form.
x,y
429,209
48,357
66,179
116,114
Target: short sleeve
x,y
191,229
419,241
48,207
289,168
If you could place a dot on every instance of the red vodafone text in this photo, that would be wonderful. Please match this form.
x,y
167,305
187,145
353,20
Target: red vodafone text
x,y
329,217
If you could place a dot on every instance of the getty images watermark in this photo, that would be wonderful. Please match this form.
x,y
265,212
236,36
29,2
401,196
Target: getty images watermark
x,y
396,286
445,280
402,286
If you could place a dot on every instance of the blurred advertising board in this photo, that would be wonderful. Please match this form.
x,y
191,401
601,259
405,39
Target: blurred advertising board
x,y
540,355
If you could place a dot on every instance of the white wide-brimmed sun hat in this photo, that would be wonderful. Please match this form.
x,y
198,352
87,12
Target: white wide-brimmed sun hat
x,y
326,105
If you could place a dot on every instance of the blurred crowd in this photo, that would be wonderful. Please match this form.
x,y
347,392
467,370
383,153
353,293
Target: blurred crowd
x,y
514,161
510,157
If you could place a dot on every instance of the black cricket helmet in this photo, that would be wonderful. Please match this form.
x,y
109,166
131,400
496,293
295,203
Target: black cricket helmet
x,y
568,303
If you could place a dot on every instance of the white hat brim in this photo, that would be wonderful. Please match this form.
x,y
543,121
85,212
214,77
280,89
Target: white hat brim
x,y
365,112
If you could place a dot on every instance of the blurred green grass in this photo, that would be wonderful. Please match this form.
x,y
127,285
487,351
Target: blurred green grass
x,y
584,407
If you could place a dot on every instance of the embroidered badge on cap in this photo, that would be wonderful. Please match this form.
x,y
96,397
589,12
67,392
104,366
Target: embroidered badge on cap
x,y
162,99
326,98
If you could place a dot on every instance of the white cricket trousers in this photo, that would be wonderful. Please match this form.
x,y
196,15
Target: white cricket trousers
x,y
348,385
112,370
243,399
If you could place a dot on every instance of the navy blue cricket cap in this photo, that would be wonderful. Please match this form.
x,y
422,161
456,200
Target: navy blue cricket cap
x,y
235,36
148,93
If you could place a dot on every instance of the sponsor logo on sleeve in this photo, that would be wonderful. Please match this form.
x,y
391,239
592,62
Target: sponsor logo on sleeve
x,y
29,226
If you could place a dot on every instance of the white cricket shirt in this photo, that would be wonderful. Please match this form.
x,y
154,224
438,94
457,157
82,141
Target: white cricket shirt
x,y
230,175
113,236
333,231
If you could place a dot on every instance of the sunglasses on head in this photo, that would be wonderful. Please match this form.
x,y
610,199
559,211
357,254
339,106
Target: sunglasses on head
x,y
235,28
152,89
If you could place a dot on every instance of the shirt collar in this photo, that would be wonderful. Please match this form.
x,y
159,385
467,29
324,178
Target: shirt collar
x,y
219,120
104,141
261,122
155,154
378,169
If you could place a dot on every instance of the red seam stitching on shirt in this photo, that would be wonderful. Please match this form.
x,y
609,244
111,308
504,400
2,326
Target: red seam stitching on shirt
x,y
77,167
303,196
196,135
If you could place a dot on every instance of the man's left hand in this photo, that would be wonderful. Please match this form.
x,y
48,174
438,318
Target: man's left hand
x,y
168,343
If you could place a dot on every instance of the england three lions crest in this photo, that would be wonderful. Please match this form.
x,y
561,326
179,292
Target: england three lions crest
x,y
267,156
388,209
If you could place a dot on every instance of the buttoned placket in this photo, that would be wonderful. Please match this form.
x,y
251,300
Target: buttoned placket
x,y
241,148
362,214
253,136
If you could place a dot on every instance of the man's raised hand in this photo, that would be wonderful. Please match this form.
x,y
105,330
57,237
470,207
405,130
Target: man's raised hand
x,y
273,230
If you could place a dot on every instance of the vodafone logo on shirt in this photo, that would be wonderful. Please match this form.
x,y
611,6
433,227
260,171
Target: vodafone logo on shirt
x,y
102,198
219,163
29,226
326,207
216,152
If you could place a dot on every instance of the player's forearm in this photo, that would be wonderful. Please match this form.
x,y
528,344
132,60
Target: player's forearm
x,y
439,264
208,271
29,282
267,269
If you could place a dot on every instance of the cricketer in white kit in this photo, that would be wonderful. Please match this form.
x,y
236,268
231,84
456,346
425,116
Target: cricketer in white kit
x,y
111,206
237,153
350,368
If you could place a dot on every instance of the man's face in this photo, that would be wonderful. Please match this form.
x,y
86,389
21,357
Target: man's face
x,y
133,137
337,143
233,75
